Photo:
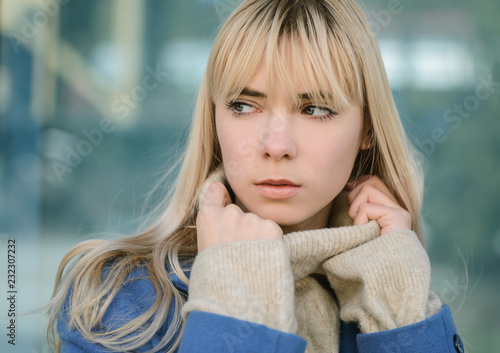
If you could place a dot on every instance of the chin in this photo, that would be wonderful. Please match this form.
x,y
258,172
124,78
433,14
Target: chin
x,y
283,216
284,213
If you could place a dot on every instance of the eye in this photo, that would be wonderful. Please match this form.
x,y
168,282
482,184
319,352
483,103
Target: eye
x,y
320,113
239,108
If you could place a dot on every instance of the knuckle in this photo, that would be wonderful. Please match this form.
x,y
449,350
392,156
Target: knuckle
x,y
363,206
232,209
268,223
250,219
352,212
403,213
272,228
367,188
407,215
252,216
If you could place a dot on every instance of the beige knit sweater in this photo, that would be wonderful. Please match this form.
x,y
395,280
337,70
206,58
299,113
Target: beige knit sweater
x,y
308,281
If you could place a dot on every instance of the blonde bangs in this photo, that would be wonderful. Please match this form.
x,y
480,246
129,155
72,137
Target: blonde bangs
x,y
301,54
237,52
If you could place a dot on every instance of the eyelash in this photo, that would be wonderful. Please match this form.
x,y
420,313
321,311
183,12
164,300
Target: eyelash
x,y
231,106
331,114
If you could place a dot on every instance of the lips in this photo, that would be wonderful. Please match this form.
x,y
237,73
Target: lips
x,y
277,182
277,189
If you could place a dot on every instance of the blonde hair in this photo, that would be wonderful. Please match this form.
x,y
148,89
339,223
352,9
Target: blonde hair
x,y
325,44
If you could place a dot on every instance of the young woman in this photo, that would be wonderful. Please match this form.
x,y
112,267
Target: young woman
x,y
294,224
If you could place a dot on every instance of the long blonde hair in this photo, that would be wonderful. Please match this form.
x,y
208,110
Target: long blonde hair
x,y
325,43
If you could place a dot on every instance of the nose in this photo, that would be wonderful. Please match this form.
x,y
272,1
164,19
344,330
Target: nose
x,y
277,139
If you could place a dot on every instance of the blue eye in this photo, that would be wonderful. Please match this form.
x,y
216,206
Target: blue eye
x,y
242,108
319,113
239,108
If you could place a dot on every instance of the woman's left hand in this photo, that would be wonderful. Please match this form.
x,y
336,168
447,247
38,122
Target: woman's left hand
x,y
370,199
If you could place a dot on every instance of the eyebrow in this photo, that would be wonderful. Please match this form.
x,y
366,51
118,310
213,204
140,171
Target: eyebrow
x,y
253,93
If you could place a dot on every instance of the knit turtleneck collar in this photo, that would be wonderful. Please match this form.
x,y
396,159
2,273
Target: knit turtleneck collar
x,y
310,248
308,281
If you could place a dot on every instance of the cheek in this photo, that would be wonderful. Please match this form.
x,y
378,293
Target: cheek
x,y
335,151
235,149
226,140
332,160
225,133
344,156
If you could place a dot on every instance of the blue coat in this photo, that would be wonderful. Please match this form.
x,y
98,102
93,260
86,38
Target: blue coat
x,y
207,333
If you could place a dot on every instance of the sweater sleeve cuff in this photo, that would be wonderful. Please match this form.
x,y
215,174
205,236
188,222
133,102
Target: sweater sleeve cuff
x,y
435,334
212,333
247,280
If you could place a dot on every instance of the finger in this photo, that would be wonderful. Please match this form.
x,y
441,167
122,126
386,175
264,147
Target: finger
x,y
356,186
371,195
216,195
389,219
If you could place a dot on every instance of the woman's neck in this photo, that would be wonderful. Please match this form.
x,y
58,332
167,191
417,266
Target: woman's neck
x,y
317,221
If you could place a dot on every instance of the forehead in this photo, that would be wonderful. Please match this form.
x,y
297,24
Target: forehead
x,y
288,84
260,77
293,65
258,87
308,46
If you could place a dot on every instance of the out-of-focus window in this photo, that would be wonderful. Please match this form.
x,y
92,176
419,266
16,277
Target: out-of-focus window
x,y
96,99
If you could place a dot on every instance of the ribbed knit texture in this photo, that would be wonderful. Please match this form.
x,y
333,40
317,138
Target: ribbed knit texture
x,y
310,280
383,284
316,309
247,280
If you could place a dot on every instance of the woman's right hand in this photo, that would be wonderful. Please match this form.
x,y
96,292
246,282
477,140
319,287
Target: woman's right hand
x,y
221,221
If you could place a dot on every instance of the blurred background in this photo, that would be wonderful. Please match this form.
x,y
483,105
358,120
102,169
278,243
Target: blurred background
x,y
96,98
